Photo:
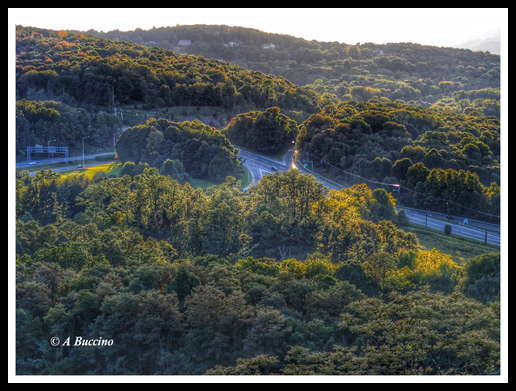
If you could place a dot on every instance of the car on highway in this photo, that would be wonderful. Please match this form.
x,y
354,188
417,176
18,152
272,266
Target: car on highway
x,y
32,163
274,168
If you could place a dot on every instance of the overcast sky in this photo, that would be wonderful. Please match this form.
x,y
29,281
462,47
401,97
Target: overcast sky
x,y
428,26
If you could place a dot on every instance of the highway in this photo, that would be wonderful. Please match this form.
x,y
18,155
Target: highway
x,y
75,159
260,166
427,220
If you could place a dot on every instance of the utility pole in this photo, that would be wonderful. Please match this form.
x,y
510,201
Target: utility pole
x,y
113,98
83,150
114,135
48,145
397,187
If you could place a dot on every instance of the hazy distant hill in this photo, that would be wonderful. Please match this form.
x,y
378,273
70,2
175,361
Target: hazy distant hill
x,y
491,45
488,41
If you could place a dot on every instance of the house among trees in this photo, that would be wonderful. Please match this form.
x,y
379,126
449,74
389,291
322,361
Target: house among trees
x,y
269,46
184,42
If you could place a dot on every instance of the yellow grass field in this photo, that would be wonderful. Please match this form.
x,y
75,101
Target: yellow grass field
x,y
108,168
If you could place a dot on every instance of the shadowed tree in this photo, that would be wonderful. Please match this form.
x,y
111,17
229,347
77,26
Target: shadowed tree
x,y
182,284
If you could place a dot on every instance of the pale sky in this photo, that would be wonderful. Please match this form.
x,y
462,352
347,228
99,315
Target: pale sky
x,y
427,26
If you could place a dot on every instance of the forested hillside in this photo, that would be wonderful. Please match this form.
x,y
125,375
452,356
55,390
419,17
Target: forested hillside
x,y
94,72
424,75
90,78
186,282
265,131
288,278
203,151
449,162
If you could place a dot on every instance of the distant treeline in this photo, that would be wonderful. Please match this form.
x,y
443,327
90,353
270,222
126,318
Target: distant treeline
x,y
83,70
407,71
91,72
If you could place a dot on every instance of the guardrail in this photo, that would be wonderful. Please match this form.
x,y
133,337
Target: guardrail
x,y
469,222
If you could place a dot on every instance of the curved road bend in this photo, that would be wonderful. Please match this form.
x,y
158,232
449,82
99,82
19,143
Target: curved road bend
x,y
259,166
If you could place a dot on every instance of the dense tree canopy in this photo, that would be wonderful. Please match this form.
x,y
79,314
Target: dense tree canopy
x,y
438,156
266,131
51,123
203,151
288,278
95,72
285,279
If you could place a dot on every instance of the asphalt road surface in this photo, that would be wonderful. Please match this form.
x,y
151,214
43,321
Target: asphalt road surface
x,y
260,166
425,219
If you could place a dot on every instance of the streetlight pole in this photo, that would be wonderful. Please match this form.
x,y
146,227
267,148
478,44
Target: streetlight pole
x,y
308,161
114,140
83,150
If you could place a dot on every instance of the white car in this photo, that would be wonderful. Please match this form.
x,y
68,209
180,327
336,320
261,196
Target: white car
x,y
32,163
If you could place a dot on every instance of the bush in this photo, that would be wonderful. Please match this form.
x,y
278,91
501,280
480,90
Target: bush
x,y
447,229
402,218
